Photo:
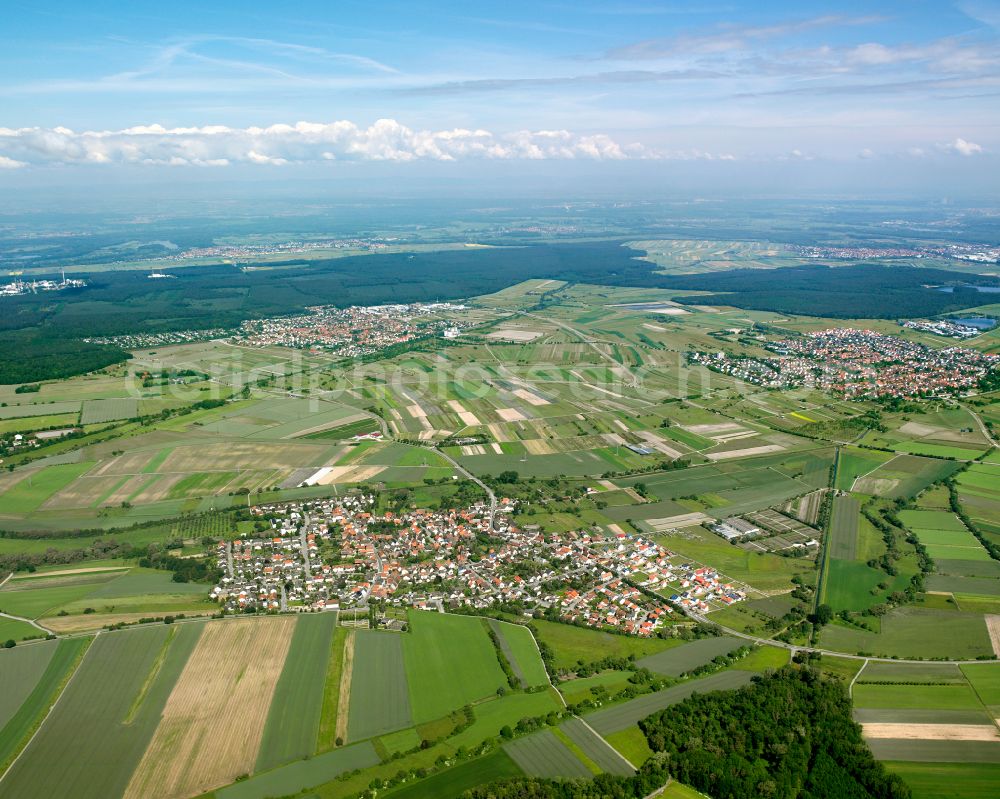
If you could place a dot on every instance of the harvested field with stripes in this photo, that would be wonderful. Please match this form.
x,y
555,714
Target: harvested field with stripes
x,y
214,719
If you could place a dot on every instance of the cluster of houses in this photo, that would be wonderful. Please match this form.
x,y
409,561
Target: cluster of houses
x,y
859,364
342,553
942,327
350,332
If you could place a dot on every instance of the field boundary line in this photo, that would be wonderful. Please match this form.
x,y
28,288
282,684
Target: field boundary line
x,y
539,651
608,745
45,718
850,688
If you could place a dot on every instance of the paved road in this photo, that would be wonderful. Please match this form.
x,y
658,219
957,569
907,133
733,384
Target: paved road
x,y
12,617
796,648
632,381
470,476
982,426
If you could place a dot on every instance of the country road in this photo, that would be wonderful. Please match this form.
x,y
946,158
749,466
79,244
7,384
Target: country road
x,y
796,648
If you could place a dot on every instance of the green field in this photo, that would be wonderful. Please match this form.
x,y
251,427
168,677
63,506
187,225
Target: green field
x,y
674,662
30,492
938,697
30,688
303,774
985,680
916,633
525,653
581,688
440,681
293,721
853,463
619,717
632,744
452,782
542,754
21,668
380,695
949,780
573,645
100,699
13,630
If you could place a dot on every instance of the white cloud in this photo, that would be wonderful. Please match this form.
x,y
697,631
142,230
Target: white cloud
x,y
304,142
963,147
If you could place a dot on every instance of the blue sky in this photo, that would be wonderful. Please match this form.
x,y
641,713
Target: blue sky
x,y
885,88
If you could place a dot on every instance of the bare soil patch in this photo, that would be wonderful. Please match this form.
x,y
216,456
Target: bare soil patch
x,y
932,732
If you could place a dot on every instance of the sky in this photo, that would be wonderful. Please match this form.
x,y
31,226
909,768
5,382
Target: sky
x,y
763,97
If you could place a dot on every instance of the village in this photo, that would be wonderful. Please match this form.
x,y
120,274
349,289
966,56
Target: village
x,y
340,554
350,332
858,364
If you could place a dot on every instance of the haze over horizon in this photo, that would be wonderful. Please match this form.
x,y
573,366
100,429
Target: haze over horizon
x,y
532,99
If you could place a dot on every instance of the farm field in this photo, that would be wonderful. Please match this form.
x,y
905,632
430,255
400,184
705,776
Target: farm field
x,y
380,696
543,754
293,722
451,783
33,677
903,476
117,694
929,713
674,662
91,598
522,647
948,780
213,720
573,645
619,717
914,632
439,683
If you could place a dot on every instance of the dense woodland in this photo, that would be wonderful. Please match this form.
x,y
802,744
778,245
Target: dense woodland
x,y
787,735
40,333
843,292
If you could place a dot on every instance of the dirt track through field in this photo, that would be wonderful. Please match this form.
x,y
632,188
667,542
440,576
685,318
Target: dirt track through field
x,y
344,697
933,732
993,626
214,719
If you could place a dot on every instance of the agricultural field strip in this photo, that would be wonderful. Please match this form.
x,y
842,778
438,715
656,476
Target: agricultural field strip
x,y
674,662
596,748
124,675
380,697
618,717
213,721
542,754
293,721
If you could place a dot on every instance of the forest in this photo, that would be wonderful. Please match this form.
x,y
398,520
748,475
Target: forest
x,y
787,735
40,333
863,291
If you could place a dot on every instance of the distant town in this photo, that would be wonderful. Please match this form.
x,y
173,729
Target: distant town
x,y
858,364
350,332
